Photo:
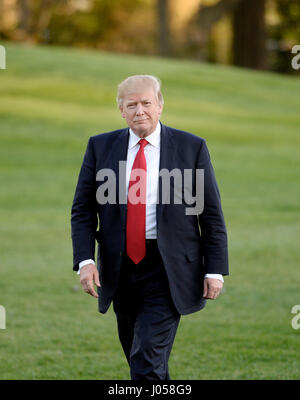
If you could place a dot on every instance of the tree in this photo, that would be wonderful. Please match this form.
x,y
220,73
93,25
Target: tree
x,y
205,18
24,17
285,34
249,34
163,17
248,24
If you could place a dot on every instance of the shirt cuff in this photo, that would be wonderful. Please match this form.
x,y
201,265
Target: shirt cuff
x,y
83,263
214,276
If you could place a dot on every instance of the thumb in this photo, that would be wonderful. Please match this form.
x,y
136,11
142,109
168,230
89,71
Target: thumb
x,y
96,279
205,288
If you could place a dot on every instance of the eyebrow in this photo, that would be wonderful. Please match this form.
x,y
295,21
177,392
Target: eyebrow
x,y
134,101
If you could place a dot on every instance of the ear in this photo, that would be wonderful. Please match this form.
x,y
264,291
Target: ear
x,y
122,112
161,106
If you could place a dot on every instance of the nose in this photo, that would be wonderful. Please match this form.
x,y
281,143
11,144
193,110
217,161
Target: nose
x,y
139,109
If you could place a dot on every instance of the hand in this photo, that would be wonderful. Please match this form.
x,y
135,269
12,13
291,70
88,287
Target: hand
x,y
212,288
88,275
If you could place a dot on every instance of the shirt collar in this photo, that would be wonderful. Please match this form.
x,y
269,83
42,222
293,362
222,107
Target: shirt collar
x,y
153,138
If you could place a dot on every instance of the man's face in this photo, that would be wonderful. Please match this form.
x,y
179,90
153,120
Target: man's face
x,y
141,110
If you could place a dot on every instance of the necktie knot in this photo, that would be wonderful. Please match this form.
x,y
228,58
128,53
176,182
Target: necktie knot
x,y
143,143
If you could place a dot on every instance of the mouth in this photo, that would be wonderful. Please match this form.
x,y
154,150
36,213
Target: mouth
x,y
140,121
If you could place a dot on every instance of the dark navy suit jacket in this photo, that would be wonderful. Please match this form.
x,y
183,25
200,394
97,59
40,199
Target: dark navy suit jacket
x,y
190,245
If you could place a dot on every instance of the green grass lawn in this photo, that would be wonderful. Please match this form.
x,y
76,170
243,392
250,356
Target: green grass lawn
x,y
51,101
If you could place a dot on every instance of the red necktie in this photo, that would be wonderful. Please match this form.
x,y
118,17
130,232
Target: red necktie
x,y
136,208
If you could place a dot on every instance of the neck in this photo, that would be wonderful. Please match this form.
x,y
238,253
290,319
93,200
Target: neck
x,y
143,135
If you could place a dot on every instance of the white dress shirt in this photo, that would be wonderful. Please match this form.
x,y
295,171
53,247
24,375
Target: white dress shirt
x,y
152,155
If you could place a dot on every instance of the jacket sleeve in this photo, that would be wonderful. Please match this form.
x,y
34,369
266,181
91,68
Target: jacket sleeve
x,y
211,220
84,219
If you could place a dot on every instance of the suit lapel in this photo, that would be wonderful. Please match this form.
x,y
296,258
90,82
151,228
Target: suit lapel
x,y
119,152
167,161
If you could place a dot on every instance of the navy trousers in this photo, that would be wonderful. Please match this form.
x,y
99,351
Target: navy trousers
x,y
146,316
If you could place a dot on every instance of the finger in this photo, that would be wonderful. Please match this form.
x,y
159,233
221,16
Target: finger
x,y
205,289
91,290
210,297
211,294
216,293
85,289
84,284
209,290
96,279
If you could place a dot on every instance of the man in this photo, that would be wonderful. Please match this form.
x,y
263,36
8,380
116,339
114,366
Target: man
x,y
156,260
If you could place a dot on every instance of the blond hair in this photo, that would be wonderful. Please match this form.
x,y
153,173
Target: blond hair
x,y
134,80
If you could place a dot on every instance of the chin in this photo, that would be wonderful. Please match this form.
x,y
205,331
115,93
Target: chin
x,y
143,128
